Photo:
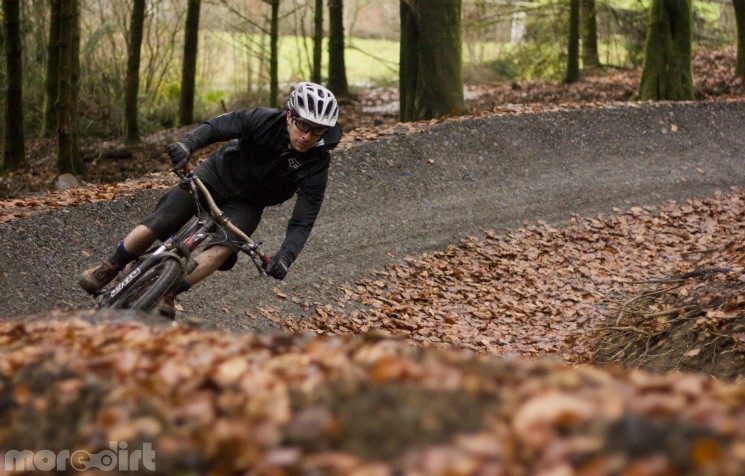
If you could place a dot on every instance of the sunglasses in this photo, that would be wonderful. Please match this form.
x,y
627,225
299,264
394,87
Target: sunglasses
x,y
304,127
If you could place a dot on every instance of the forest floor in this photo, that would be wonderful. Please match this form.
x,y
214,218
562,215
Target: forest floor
x,y
471,359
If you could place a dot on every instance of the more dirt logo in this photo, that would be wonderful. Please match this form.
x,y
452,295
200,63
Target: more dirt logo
x,y
116,457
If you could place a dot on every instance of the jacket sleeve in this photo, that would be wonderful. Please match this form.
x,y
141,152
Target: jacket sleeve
x,y
309,200
231,125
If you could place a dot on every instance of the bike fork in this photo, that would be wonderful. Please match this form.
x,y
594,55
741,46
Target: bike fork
x,y
132,276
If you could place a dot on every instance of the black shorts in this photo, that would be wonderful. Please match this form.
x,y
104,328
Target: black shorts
x,y
176,207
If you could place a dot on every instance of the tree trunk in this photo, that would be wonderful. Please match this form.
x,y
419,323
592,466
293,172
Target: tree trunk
x,y
14,153
67,159
132,87
431,67
590,58
667,56
64,149
740,19
408,61
78,165
51,82
317,42
274,53
337,68
573,49
2,96
189,69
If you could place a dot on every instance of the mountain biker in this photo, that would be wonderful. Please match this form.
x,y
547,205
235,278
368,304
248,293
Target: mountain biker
x,y
272,155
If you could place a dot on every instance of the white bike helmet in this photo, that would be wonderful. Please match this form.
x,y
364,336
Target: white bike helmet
x,y
314,103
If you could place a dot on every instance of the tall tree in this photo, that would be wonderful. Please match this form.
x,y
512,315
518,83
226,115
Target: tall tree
x,y
431,67
68,159
189,69
590,57
51,81
337,66
132,84
408,61
75,81
667,55
740,19
14,153
317,42
572,75
273,55
2,96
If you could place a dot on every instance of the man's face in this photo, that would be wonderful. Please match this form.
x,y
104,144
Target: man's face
x,y
303,134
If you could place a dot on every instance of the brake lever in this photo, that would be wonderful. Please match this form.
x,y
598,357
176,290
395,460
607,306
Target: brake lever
x,y
260,265
260,261
185,182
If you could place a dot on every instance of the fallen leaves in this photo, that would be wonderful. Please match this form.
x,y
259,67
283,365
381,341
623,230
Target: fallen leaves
x,y
18,208
535,290
307,403
374,402
288,404
690,320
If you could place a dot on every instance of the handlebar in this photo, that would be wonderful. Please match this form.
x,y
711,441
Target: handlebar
x,y
260,259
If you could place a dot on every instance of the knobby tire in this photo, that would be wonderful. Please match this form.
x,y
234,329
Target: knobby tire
x,y
148,289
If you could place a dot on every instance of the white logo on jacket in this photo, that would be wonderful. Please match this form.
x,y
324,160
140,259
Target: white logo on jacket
x,y
294,163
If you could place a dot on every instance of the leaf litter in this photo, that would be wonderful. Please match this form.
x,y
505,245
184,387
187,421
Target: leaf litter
x,y
540,290
423,370
499,355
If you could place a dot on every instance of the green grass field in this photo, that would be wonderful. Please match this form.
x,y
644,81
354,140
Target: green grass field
x,y
230,58
367,61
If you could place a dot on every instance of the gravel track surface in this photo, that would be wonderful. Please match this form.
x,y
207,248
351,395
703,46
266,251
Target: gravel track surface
x,y
405,195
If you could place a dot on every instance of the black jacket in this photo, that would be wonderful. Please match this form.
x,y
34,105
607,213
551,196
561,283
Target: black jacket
x,y
258,165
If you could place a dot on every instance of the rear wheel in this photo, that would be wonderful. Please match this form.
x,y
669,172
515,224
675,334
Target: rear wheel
x,y
150,287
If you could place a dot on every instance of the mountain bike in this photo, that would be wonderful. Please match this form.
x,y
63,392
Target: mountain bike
x,y
145,281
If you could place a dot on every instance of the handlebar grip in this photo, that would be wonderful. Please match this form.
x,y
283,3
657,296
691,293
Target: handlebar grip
x,y
265,261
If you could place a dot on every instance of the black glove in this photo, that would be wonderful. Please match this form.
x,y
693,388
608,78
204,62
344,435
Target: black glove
x,y
278,267
180,154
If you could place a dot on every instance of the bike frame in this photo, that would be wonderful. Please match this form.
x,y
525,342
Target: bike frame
x,y
181,246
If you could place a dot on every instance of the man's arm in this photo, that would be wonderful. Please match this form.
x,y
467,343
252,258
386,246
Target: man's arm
x,y
308,205
231,125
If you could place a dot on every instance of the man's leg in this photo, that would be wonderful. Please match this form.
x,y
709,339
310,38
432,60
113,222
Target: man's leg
x,y
139,240
209,261
130,248
174,209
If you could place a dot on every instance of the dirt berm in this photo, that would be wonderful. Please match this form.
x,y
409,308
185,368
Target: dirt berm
x,y
408,194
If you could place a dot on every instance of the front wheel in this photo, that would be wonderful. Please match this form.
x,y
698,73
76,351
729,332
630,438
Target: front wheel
x,y
150,287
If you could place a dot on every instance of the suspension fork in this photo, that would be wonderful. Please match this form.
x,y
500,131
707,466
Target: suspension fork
x,y
134,274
